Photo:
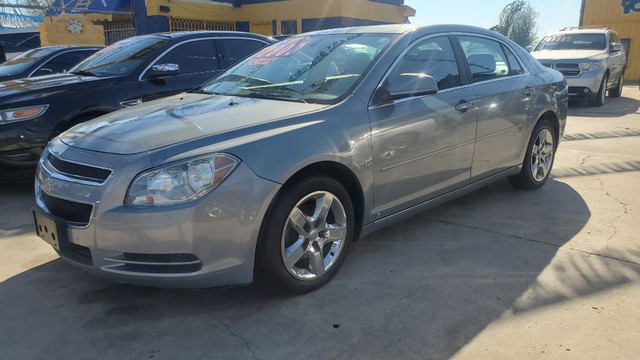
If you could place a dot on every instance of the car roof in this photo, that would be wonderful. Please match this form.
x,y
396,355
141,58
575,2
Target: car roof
x,y
584,30
182,34
419,30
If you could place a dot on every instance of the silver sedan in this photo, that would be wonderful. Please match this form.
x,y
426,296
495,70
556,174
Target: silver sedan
x,y
271,170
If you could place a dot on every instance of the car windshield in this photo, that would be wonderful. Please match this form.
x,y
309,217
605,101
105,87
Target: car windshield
x,y
573,42
25,60
120,58
319,68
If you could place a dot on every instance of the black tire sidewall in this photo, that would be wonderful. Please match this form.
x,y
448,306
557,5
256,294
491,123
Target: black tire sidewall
x,y
271,269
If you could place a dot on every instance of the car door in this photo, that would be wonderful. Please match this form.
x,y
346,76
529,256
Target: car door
x,y
504,93
199,61
422,146
62,62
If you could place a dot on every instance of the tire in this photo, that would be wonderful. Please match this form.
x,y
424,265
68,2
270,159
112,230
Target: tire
x,y
533,175
303,247
602,92
617,91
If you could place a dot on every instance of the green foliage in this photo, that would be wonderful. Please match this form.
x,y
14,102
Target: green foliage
x,y
518,22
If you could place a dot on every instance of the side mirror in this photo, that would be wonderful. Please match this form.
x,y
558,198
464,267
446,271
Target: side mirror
x,y
163,70
412,84
615,48
529,48
43,71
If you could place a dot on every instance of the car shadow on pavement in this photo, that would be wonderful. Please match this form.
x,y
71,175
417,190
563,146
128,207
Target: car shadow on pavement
x,y
613,107
422,288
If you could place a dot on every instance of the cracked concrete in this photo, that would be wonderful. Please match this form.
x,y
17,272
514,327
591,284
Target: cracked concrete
x,y
497,274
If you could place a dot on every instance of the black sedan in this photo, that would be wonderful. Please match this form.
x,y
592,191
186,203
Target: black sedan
x,y
45,60
127,73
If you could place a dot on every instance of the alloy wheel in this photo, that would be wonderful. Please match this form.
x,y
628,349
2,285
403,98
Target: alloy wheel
x,y
542,155
314,235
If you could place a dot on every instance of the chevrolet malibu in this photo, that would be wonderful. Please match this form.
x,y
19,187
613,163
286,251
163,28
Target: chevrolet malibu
x,y
271,170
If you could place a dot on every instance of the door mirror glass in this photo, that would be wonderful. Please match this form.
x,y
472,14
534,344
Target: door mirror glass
x,y
615,48
409,85
163,70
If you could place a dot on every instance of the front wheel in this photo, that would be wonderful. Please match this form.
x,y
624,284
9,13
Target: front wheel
x,y
617,91
307,235
539,158
602,92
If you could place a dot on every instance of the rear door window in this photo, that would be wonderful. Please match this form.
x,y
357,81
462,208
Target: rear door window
x,y
486,58
238,49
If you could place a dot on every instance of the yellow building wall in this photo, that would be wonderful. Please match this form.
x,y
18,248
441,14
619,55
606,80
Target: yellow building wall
x,y
609,13
54,30
260,16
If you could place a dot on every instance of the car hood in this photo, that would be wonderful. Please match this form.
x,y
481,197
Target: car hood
x,y
46,83
569,54
177,119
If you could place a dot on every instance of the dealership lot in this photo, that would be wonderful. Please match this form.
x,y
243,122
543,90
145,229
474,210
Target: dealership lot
x,y
497,274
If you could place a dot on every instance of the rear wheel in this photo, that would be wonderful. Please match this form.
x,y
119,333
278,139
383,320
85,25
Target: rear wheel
x,y
307,235
602,92
617,91
539,158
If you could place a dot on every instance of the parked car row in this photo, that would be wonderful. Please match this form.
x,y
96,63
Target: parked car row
x,y
272,168
35,110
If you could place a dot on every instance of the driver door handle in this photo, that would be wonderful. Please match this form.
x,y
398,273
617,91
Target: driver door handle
x,y
464,105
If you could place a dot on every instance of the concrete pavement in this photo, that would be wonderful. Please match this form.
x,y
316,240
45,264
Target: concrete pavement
x,y
498,274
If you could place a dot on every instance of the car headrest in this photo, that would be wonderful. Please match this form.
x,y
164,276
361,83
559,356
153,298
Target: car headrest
x,y
482,63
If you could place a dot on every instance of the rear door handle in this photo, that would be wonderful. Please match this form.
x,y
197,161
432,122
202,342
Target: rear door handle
x,y
529,91
464,105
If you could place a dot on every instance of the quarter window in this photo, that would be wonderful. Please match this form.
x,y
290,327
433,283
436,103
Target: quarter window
x,y
192,57
486,58
433,57
514,65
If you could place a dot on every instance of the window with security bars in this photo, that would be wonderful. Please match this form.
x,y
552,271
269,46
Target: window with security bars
x,y
289,27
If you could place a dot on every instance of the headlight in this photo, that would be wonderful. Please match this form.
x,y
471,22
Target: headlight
x,y
22,114
180,182
592,65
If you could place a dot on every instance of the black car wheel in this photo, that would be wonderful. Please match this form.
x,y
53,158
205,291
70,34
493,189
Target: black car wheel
x,y
617,91
602,92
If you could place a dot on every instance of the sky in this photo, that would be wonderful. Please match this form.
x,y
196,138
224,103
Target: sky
x,y
553,14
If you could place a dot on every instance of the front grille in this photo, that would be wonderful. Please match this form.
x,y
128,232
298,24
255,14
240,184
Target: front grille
x,y
156,263
568,69
78,171
70,211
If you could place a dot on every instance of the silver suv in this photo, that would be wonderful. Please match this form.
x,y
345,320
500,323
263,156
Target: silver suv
x,y
592,61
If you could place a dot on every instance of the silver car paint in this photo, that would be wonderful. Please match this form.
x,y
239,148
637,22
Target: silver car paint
x,y
275,140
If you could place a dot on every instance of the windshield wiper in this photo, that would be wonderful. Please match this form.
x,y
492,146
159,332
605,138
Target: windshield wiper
x,y
85,73
272,96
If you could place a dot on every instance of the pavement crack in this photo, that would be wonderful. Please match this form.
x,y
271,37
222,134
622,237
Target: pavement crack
x,y
559,247
234,334
603,188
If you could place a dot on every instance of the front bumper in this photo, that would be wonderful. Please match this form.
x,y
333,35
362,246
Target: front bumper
x,y
209,242
585,86
21,143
